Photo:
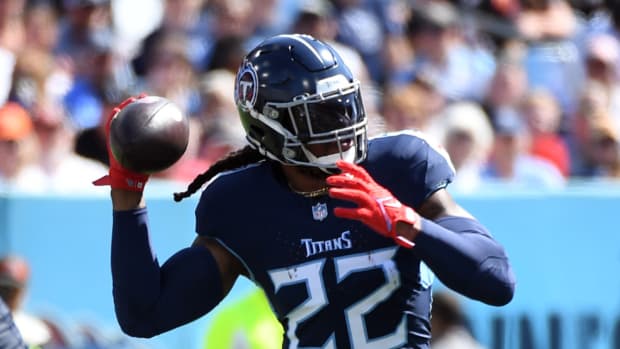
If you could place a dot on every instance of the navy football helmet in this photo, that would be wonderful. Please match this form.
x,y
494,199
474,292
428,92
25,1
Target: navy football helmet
x,y
293,91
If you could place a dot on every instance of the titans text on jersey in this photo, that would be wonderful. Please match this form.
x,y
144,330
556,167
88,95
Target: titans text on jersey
x,y
313,247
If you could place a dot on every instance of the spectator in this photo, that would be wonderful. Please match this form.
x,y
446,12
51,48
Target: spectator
x,y
468,138
603,149
449,324
494,20
113,79
509,83
459,71
64,170
271,17
42,26
189,17
602,63
361,27
411,107
38,76
227,53
592,105
221,131
12,40
540,20
18,150
169,72
510,162
14,277
39,88
10,338
552,60
543,117
231,18
84,21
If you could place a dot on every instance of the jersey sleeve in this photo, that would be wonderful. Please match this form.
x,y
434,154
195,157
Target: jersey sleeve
x,y
411,166
211,200
438,169
222,202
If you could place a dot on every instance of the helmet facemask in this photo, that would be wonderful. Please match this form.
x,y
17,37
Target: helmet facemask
x,y
336,117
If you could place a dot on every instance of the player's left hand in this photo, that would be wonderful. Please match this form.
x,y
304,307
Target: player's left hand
x,y
377,206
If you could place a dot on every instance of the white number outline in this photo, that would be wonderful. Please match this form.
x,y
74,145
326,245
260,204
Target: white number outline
x,y
311,275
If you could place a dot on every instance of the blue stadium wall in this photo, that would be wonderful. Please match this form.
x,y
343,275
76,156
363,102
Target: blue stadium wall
x,y
564,246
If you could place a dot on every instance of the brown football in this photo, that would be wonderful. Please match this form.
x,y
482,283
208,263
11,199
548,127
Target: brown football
x,y
149,135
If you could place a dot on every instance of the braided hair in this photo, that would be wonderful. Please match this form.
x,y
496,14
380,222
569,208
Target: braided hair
x,y
236,159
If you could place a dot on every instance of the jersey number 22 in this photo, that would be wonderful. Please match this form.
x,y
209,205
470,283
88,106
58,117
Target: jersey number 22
x,y
311,275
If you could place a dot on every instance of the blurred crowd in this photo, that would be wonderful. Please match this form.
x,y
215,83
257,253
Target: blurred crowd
x,y
50,331
525,92
521,92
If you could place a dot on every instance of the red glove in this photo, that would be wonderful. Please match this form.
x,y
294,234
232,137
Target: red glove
x,y
119,177
377,207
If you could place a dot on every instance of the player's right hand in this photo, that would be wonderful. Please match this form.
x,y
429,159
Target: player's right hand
x,y
119,177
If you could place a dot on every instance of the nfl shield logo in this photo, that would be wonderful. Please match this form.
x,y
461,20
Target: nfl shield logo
x,y
319,212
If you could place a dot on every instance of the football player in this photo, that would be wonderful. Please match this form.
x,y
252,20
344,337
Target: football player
x,y
344,234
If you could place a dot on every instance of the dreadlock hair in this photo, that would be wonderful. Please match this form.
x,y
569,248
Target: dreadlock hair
x,y
235,159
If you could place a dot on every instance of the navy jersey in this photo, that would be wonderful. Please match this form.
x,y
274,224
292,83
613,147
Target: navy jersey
x,y
332,282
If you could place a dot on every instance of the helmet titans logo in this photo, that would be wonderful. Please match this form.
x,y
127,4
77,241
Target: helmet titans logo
x,y
246,88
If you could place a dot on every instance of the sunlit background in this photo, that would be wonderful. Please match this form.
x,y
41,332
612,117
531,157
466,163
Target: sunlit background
x,y
524,96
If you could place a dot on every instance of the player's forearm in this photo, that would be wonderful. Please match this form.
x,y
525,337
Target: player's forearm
x,y
150,299
135,270
467,259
